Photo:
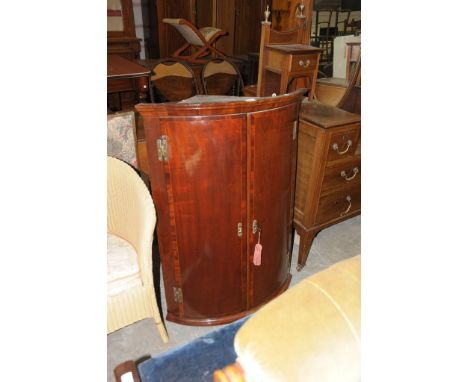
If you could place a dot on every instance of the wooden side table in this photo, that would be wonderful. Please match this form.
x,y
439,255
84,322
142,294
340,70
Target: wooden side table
x,y
286,62
328,180
124,75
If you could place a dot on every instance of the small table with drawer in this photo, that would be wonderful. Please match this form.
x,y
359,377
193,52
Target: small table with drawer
x,y
286,62
328,181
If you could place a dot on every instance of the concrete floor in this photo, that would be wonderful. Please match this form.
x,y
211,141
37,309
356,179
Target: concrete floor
x,y
141,340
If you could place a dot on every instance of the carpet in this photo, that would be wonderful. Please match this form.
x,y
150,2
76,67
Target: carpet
x,y
195,361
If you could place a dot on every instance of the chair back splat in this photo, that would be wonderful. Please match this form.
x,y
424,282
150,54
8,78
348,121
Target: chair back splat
x,y
174,81
221,77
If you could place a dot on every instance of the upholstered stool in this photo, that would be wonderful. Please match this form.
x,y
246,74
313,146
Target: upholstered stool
x,y
310,333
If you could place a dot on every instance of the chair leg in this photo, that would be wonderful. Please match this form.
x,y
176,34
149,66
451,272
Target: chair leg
x,y
177,52
195,57
162,331
216,52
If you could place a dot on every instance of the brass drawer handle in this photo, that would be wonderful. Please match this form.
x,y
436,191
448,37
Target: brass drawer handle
x,y
348,199
336,148
304,64
348,178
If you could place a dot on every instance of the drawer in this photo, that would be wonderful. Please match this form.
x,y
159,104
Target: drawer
x,y
342,175
304,62
343,144
338,205
119,85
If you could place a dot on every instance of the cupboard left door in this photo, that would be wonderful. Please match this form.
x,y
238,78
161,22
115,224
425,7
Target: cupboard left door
x,y
205,182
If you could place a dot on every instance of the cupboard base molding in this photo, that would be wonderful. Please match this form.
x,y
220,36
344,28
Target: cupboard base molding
x,y
228,318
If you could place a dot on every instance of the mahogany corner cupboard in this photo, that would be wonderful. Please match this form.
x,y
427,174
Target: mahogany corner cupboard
x,y
222,173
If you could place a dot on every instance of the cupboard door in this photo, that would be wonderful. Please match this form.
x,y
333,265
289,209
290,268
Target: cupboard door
x,y
205,179
272,156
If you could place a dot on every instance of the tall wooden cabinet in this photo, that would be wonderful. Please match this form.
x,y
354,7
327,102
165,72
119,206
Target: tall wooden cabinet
x,y
222,177
121,35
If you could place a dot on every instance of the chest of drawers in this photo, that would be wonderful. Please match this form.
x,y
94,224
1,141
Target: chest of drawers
x,y
328,182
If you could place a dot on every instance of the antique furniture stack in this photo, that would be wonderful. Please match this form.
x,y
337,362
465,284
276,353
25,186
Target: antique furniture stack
x,y
222,176
232,176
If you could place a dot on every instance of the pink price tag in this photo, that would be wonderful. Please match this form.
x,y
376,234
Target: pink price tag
x,y
257,258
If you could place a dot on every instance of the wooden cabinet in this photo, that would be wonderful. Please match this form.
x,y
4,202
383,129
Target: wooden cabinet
x,y
328,184
121,36
222,178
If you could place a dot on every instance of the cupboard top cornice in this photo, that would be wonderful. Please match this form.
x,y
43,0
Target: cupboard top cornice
x,y
326,116
254,104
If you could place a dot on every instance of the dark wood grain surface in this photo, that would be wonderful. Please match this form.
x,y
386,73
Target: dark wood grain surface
x,y
228,163
119,67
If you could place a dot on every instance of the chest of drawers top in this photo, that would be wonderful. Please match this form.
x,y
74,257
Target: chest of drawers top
x,y
326,116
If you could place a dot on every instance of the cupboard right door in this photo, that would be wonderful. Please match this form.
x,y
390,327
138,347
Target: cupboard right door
x,y
271,170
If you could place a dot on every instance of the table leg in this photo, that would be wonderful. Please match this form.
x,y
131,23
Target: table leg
x,y
305,243
142,89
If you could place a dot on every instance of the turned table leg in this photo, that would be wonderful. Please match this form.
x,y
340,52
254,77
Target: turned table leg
x,y
143,89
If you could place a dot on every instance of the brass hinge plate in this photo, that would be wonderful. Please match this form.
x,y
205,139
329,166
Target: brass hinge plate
x,y
162,148
295,131
178,296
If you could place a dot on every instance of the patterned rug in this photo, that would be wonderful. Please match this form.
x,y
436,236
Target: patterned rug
x,y
195,361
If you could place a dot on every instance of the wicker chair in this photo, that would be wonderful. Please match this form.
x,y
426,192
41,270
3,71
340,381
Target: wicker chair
x,y
131,219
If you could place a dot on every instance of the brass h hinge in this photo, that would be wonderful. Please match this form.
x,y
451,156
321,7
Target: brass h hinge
x,y
162,148
178,297
295,131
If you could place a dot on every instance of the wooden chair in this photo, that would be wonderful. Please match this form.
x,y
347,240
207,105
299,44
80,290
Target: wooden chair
x,y
340,92
272,36
200,39
221,77
351,100
279,75
174,81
